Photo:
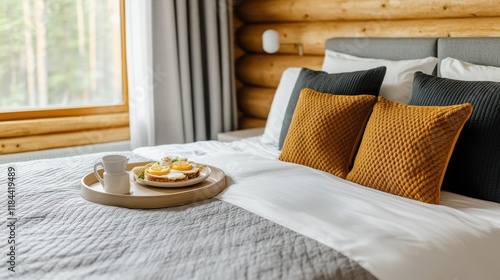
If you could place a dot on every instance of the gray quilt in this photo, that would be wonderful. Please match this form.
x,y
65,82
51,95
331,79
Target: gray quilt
x,y
60,235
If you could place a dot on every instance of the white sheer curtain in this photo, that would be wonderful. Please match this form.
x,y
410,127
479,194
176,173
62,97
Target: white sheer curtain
x,y
181,83
140,72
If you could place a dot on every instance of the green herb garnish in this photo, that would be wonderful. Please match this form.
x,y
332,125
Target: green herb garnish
x,y
141,176
175,159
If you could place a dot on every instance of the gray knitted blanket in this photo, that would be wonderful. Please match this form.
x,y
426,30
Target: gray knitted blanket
x,y
60,235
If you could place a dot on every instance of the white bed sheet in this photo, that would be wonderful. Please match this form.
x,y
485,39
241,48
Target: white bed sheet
x,y
251,145
390,236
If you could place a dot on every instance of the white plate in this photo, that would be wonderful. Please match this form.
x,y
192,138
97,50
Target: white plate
x,y
203,175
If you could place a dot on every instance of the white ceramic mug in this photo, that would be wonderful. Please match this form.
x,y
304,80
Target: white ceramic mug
x,y
113,164
116,183
116,178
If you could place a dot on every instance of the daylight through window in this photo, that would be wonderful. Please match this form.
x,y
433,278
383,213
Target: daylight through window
x,y
60,54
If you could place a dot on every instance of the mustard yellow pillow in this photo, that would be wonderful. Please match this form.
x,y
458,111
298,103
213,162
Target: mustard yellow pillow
x,y
326,129
405,149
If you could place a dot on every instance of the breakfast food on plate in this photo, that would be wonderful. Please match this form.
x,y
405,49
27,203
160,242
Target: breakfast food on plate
x,y
159,173
170,170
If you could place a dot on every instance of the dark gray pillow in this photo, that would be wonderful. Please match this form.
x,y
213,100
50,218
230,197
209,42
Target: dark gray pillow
x,y
351,83
474,167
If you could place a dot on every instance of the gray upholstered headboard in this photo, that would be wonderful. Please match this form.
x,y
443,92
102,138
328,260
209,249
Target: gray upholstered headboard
x,y
484,51
385,48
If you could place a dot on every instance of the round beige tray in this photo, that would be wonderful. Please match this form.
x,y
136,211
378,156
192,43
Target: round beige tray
x,y
152,197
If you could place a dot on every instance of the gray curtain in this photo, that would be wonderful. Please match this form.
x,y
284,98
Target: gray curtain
x,y
193,83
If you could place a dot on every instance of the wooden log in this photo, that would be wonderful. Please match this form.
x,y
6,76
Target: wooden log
x,y
314,34
245,123
266,70
60,140
237,23
238,52
327,10
255,102
238,84
23,128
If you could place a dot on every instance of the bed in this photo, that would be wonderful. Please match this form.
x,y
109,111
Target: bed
x,y
275,220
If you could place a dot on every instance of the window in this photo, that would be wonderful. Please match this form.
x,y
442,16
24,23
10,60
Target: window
x,y
62,71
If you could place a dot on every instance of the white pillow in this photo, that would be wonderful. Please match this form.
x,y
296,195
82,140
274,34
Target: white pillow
x,y
398,77
278,107
453,68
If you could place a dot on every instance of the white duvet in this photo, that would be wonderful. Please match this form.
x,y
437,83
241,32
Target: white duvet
x,y
390,236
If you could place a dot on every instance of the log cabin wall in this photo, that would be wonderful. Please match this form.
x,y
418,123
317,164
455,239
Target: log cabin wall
x,y
312,22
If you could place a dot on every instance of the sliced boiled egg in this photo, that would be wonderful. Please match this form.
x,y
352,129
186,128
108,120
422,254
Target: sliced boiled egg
x,y
181,166
158,170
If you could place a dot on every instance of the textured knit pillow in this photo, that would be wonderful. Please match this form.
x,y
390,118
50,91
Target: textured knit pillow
x,y
326,129
405,149
474,168
352,83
